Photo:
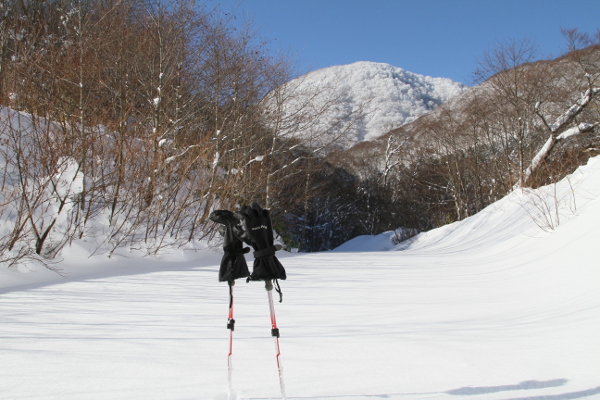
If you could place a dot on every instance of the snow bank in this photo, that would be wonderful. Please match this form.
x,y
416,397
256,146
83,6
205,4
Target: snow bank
x,y
522,216
512,221
381,242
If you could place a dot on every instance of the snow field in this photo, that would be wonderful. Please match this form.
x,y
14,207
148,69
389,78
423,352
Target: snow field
x,y
492,307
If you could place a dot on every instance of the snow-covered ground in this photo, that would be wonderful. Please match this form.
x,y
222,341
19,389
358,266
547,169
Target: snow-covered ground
x,y
503,305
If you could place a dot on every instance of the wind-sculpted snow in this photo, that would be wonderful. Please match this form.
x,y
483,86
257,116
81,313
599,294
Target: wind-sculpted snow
x,y
498,306
382,96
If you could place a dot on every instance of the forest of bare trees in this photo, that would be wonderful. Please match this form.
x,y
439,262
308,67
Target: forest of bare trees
x,y
143,116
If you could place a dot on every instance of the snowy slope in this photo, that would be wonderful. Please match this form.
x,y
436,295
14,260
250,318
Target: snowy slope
x,y
492,307
387,96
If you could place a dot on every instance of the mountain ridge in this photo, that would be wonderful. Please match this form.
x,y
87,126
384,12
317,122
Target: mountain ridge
x,y
379,96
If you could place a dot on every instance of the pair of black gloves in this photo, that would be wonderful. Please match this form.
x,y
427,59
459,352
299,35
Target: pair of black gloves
x,y
251,225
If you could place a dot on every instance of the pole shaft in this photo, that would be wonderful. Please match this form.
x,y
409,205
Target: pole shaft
x,y
275,333
230,325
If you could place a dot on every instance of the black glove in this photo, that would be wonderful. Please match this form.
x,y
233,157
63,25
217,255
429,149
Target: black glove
x,y
258,233
233,263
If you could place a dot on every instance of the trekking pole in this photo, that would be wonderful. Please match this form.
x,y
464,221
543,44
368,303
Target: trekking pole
x,y
230,326
275,334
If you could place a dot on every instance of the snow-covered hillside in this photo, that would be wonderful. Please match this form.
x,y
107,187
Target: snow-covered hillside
x,y
502,305
386,97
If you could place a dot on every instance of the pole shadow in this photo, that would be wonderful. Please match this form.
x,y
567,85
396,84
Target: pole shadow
x,y
525,385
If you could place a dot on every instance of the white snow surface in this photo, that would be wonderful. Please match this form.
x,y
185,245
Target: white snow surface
x,y
388,96
502,305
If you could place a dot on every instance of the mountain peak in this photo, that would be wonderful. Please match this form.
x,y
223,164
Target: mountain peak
x,y
387,96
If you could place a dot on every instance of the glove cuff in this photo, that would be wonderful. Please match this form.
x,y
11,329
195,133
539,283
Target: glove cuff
x,y
232,250
240,251
269,251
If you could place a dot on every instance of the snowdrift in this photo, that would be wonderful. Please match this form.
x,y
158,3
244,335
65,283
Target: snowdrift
x,y
525,217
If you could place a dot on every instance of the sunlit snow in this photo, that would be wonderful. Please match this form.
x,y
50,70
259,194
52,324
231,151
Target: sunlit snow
x,y
502,305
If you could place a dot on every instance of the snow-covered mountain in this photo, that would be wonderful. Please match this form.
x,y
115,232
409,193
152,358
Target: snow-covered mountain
x,y
370,98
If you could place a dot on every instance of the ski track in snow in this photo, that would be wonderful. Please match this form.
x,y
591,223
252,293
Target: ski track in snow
x,y
491,307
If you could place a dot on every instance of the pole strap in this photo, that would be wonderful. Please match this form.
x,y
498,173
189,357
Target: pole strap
x,y
278,290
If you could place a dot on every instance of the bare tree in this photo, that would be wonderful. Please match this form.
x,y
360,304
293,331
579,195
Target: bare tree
x,y
564,125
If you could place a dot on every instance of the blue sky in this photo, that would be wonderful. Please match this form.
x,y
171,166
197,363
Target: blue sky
x,y
439,38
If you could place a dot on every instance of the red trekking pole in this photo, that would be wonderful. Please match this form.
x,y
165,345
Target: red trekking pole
x,y
230,326
275,334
